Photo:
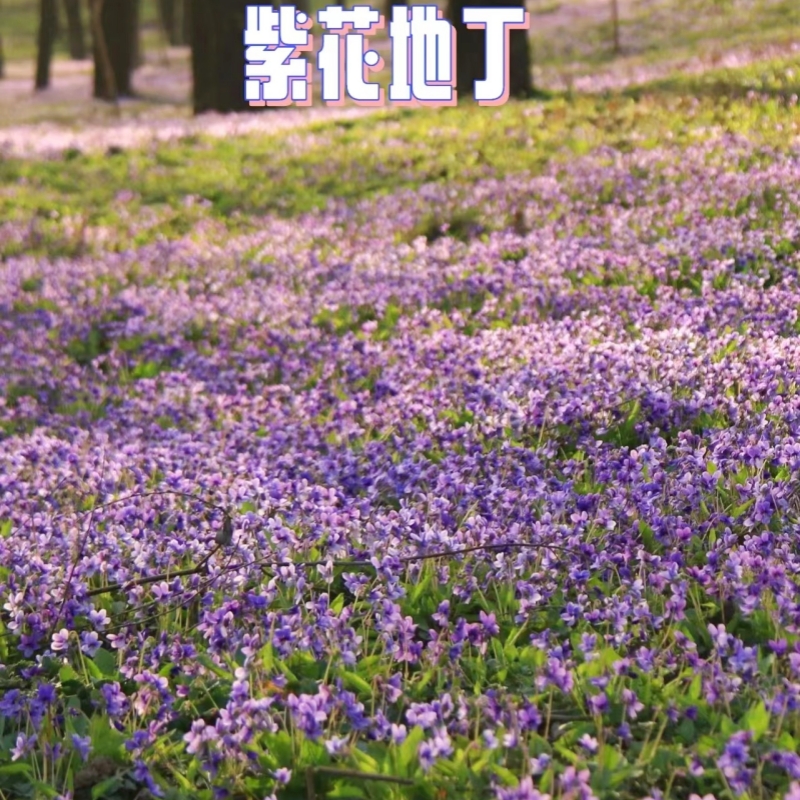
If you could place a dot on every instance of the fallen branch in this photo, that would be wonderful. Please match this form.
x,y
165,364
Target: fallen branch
x,y
267,564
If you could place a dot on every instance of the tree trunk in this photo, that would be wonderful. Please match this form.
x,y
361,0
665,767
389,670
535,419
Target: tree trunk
x,y
137,56
56,22
47,32
175,20
615,25
77,45
185,21
387,10
113,23
218,62
169,19
471,50
2,55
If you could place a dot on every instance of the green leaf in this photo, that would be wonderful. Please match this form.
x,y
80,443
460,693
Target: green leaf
x,y
509,778
420,587
184,782
407,751
427,677
67,673
364,761
267,657
355,683
741,509
17,768
686,731
45,789
787,742
648,537
104,788
106,662
5,529
280,745
343,791
510,649
212,667
338,604
499,652
106,740
93,670
608,758
757,720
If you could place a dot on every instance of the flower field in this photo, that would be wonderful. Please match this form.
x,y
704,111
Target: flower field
x,y
442,454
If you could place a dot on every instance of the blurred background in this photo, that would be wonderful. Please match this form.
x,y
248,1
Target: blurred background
x,y
81,60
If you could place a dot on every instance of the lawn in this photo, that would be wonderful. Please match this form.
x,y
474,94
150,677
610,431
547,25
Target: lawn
x,y
430,454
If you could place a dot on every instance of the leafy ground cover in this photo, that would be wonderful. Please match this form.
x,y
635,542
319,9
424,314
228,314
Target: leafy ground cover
x,y
429,455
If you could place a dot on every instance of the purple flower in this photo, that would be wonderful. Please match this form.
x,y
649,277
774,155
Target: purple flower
x,y
575,785
310,711
525,791
282,775
632,704
442,612
115,700
540,764
99,618
23,746
434,749
398,733
336,744
490,739
46,694
794,791
60,641
489,623
90,643
141,772
200,737
733,762
598,703
82,745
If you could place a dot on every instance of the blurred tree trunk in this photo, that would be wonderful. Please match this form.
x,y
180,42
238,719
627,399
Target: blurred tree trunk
x,y
47,35
387,11
175,20
185,24
112,25
137,56
2,55
77,45
217,28
168,12
56,22
471,50
615,25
